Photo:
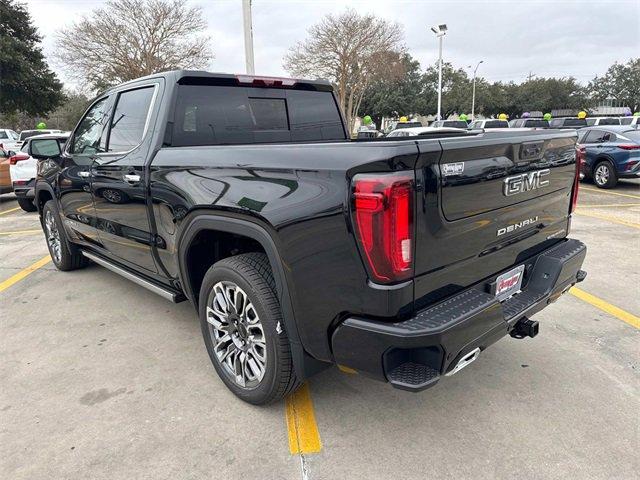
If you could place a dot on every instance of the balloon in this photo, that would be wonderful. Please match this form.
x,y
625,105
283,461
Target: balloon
x,y
502,116
637,114
627,112
367,120
463,117
526,115
41,126
582,114
547,116
404,119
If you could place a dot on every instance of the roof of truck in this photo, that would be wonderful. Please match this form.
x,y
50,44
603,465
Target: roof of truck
x,y
200,77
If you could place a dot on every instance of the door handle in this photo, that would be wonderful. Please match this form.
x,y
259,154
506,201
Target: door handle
x,y
84,174
131,178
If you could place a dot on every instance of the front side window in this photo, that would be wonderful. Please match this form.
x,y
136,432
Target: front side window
x,y
129,119
90,136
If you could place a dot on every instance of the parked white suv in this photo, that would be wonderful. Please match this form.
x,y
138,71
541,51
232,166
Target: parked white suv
x,y
23,165
488,123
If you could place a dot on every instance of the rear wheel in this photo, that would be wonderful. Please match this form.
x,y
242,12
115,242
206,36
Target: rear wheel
x,y
64,254
243,330
604,175
27,204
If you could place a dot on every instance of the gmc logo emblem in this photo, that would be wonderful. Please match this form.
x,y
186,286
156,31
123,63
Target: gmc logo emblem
x,y
525,182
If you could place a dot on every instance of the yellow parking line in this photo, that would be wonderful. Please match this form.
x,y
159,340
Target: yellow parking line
x,y
610,193
301,422
610,219
10,210
610,205
23,273
22,232
606,307
348,370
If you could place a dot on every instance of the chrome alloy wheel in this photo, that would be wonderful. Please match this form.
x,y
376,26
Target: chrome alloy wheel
x,y
602,174
53,236
237,334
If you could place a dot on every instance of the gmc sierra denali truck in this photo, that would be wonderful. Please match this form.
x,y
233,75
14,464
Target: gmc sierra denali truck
x,y
299,248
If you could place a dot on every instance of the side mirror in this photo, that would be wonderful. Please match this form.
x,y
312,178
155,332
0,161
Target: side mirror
x,y
11,153
45,148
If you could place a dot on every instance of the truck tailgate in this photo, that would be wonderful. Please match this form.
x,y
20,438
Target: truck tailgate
x,y
487,203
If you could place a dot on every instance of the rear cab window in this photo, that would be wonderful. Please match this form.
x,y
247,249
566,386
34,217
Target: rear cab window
x,y
223,115
496,124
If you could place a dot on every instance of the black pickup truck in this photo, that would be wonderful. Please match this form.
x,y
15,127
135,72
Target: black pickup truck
x,y
299,248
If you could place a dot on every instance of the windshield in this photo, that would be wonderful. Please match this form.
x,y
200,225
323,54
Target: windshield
x,y
496,124
536,123
408,125
455,124
575,122
609,121
28,133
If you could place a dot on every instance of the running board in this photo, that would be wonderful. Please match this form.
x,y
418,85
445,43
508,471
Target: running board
x,y
170,295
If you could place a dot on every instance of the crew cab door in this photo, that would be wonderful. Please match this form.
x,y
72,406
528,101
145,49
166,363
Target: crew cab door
x,y
74,179
119,180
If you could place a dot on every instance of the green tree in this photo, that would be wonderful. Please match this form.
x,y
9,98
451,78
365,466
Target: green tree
x,y
456,90
621,82
394,96
26,83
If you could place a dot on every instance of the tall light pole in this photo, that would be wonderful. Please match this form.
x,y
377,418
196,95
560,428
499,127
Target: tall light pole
x,y
248,36
440,31
473,96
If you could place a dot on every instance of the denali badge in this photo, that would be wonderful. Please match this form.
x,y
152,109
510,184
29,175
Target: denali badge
x,y
525,182
516,226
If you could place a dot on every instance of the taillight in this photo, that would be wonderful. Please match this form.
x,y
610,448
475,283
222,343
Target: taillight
x,y
19,157
265,81
580,155
383,214
629,147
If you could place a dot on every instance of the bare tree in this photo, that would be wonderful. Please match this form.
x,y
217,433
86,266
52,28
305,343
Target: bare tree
x,y
128,39
350,50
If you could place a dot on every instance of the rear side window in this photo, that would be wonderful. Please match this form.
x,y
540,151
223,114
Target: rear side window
x,y
219,115
130,119
595,136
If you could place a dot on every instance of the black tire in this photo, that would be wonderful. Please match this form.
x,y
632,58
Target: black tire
x,y
26,204
69,257
605,175
251,272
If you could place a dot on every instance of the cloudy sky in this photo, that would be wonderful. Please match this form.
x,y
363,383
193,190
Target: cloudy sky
x,y
547,38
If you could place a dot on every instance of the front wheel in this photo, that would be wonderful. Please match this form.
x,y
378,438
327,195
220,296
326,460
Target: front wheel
x,y
243,329
604,175
27,204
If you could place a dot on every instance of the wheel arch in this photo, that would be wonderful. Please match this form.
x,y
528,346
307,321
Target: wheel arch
x,y
198,222
43,193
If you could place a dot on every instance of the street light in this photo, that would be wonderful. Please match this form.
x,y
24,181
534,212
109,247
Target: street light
x,y
440,31
473,96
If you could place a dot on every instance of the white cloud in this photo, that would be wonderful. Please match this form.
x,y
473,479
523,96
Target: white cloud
x,y
548,38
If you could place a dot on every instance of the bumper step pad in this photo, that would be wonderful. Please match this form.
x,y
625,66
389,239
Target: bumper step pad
x,y
413,376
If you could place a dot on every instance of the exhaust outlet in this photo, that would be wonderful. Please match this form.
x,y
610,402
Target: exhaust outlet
x,y
465,361
525,328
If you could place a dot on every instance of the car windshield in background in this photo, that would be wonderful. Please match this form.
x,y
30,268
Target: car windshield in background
x,y
609,121
575,122
214,115
455,124
536,123
3,135
29,133
496,124
407,125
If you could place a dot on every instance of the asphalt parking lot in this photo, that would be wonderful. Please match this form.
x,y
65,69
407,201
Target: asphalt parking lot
x,y
102,379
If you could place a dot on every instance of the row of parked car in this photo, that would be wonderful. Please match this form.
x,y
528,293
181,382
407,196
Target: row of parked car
x,y
609,147
19,154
